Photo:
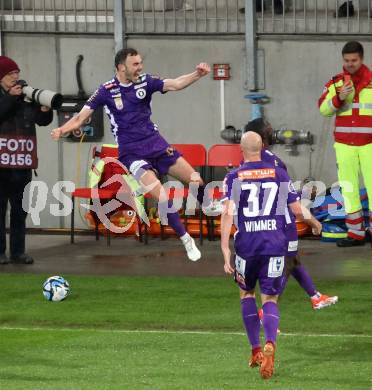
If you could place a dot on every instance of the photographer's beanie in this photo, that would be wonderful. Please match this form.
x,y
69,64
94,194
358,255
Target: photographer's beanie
x,y
7,65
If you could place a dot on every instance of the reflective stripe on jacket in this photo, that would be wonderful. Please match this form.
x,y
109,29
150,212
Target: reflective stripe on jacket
x,y
353,125
96,172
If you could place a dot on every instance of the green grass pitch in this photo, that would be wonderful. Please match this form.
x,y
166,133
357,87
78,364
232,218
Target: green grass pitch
x,y
175,333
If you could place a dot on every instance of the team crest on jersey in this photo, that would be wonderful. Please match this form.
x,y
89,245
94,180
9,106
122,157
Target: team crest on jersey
x,y
141,93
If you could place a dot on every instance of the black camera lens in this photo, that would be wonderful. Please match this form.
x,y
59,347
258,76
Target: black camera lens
x,y
22,83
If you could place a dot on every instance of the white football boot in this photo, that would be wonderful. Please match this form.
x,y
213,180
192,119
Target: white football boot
x,y
193,253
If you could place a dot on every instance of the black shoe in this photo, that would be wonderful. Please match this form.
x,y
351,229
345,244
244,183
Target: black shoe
x,y
342,11
24,258
348,242
4,259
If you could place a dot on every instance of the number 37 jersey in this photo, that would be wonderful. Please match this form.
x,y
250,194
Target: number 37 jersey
x,y
261,194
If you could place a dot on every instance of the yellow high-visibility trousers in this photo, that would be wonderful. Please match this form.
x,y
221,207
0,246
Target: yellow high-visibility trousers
x,y
353,161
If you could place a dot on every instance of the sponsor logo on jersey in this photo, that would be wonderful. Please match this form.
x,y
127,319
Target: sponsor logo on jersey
x,y
141,93
115,91
93,96
118,102
140,85
256,174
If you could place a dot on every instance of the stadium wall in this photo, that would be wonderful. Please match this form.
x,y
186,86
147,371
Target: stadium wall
x,y
295,72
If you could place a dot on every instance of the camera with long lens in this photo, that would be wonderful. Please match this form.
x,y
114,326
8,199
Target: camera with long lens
x,y
291,138
288,138
44,97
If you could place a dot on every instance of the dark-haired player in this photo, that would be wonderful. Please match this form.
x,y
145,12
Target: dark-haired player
x,y
127,101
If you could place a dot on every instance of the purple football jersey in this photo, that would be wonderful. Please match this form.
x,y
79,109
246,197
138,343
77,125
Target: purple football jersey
x,y
128,107
261,193
270,157
291,229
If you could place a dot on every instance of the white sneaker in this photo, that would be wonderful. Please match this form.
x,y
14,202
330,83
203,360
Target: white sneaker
x,y
193,253
214,208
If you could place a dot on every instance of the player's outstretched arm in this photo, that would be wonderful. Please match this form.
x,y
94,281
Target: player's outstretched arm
x,y
73,124
303,214
226,224
185,80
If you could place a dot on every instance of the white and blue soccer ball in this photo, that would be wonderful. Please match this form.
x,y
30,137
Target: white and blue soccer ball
x,y
56,288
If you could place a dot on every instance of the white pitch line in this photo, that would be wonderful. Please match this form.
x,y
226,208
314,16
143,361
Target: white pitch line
x,y
191,332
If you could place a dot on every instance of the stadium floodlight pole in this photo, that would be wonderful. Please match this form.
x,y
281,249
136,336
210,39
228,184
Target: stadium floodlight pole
x,y
250,45
119,25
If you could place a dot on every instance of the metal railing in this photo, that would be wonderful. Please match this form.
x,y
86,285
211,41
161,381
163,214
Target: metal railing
x,y
185,17
177,17
318,17
53,16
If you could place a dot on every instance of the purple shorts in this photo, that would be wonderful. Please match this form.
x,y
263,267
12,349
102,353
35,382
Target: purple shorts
x,y
269,271
160,163
292,239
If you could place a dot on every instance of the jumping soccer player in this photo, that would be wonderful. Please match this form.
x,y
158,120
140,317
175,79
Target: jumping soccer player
x,y
257,195
127,102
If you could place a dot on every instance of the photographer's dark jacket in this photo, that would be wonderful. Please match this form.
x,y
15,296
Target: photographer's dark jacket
x,y
18,132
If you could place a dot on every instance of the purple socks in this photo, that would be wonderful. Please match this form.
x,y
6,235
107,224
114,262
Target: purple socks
x,y
304,280
170,217
270,321
251,320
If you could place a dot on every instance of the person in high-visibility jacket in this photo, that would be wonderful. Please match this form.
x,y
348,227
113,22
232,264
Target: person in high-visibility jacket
x,y
348,96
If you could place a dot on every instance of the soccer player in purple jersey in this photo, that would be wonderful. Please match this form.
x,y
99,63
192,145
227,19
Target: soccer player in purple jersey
x,y
127,101
257,197
295,268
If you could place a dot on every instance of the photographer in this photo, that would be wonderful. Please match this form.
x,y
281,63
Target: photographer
x,y
18,156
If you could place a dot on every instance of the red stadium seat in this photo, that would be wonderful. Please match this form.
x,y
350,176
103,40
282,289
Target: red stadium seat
x,y
225,155
221,155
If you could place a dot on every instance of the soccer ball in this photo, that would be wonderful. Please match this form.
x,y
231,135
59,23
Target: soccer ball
x,y
56,288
